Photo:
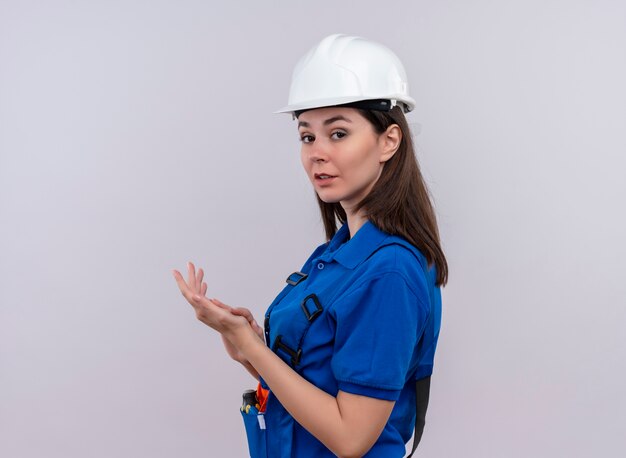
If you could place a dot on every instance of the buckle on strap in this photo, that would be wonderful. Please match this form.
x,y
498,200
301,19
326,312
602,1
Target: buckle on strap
x,y
296,277
311,316
295,354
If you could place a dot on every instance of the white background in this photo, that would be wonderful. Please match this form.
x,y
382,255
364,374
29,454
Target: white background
x,y
137,135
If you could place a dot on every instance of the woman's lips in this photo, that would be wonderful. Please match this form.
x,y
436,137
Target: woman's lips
x,y
323,179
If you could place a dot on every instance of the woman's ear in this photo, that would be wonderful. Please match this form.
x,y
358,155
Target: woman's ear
x,y
390,142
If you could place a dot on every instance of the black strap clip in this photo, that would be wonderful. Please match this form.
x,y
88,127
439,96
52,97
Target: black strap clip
x,y
311,316
266,328
295,354
295,278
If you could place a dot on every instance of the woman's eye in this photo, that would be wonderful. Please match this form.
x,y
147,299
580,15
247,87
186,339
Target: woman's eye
x,y
338,134
307,138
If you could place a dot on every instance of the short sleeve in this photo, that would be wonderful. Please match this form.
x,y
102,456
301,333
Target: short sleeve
x,y
377,326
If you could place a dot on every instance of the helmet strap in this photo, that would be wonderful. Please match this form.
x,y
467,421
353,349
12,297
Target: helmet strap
x,y
377,105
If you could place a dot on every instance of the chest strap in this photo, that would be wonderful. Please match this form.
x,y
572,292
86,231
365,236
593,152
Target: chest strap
x,y
296,278
312,309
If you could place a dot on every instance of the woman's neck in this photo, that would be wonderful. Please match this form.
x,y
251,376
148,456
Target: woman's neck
x,y
355,221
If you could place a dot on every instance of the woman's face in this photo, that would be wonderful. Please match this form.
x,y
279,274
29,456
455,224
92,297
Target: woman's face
x,y
342,153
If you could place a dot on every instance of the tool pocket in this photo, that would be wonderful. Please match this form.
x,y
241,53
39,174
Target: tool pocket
x,y
254,421
253,413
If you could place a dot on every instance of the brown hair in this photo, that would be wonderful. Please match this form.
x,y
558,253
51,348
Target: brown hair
x,y
399,203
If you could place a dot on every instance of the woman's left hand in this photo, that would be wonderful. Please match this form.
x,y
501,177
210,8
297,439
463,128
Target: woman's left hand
x,y
213,313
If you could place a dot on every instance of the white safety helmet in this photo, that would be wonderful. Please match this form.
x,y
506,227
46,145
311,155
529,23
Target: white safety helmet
x,y
342,70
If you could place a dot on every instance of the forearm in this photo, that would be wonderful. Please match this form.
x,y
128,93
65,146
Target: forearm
x,y
250,369
317,411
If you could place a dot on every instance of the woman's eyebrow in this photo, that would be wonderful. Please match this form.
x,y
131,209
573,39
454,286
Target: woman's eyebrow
x,y
336,118
327,122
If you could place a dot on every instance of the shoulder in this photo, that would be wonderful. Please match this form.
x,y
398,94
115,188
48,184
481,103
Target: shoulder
x,y
390,275
396,257
390,284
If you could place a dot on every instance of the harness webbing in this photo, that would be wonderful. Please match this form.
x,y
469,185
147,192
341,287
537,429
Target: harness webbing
x,y
422,392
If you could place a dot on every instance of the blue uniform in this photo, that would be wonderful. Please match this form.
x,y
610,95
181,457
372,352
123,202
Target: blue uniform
x,y
362,316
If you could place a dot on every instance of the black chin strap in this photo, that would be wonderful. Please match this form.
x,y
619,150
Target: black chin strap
x,y
422,392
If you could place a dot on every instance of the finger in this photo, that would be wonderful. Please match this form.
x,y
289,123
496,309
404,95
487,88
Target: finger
x,y
191,271
209,313
184,288
247,314
180,281
203,289
199,277
254,324
259,331
220,304
242,311
204,302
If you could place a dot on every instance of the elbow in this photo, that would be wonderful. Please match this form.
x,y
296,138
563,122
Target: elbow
x,y
352,455
353,449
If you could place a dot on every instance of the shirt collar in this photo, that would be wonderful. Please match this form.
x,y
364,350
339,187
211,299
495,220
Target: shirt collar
x,y
352,252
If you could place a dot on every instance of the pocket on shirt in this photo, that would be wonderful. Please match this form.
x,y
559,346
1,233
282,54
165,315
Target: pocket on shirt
x,y
254,422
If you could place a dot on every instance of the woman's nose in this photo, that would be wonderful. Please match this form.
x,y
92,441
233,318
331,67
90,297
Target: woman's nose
x,y
317,153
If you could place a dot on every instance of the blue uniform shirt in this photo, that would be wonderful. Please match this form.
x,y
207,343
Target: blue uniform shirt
x,y
363,317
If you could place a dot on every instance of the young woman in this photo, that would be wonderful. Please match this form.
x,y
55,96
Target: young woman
x,y
347,347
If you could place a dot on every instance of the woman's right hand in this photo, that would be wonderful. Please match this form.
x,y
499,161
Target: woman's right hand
x,y
244,312
233,351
